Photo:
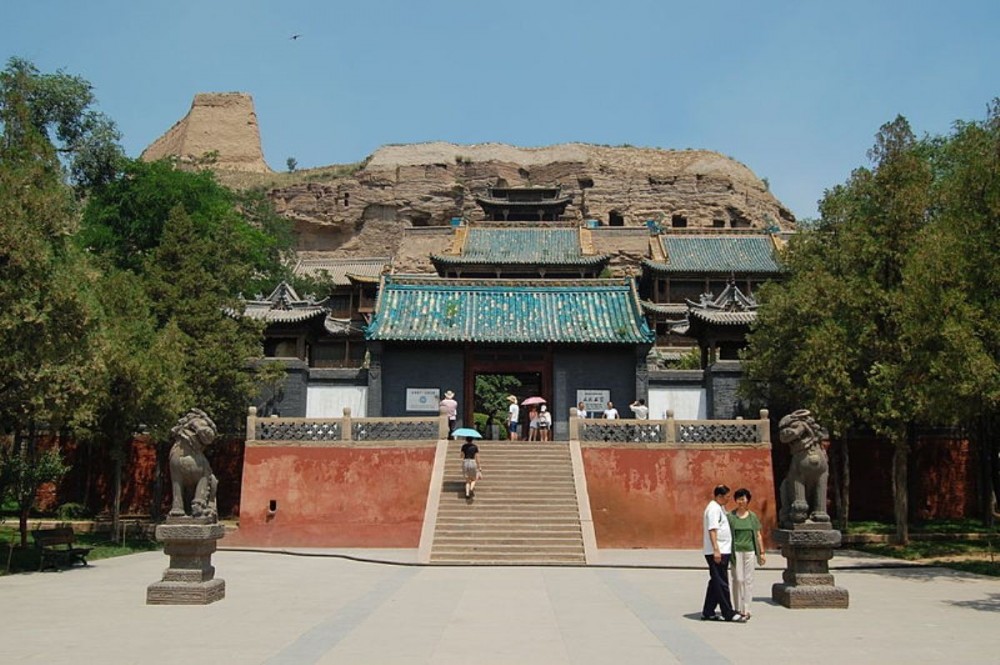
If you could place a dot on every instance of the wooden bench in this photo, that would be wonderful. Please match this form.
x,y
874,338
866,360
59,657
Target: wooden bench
x,y
56,547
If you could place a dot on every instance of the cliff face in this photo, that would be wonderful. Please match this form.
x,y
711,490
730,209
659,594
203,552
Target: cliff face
x,y
407,186
427,184
220,131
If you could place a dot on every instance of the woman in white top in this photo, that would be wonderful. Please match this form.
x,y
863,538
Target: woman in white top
x,y
611,413
545,423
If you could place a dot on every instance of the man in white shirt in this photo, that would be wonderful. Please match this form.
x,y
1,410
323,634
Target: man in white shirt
x,y
513,414
718,547
611,413
640,409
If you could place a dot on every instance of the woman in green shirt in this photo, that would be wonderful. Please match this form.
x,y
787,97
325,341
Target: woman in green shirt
x,y
748,550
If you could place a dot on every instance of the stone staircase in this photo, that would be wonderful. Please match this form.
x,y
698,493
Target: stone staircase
x,y
525,511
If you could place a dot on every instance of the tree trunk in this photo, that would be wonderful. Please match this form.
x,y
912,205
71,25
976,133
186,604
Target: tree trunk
x,y
833,455
899,489
990,460
116,503
845,479
162,462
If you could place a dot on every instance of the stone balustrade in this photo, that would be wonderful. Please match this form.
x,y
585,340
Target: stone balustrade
x,y
345,429
670,430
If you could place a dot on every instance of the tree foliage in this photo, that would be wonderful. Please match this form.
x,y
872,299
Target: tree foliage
x,y
887,320
830,338
59,108
48,320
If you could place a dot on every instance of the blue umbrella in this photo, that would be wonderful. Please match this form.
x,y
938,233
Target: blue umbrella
x,y
466,431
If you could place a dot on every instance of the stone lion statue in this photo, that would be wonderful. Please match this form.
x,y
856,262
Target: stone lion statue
x,y
191,477
803,491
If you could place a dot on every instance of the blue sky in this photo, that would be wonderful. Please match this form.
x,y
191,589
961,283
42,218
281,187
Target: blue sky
x,y
795,90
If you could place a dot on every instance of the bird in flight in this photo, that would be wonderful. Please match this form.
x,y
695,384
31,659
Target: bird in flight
x,y
294,37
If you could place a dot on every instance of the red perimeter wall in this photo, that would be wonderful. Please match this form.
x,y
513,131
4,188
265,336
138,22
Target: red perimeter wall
x,y
333,496
648,497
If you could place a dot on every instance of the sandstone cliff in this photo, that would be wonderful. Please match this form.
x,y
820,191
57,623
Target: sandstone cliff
x,y
219,131
427,184
365,211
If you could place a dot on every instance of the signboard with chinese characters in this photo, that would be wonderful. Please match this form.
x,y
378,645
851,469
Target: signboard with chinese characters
x,y
595,401
423,399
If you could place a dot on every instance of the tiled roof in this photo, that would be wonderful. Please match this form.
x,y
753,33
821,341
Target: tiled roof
x,y
515,246
342,269
283,306
730,308
515,203
670,309
594,311
743,254
720,318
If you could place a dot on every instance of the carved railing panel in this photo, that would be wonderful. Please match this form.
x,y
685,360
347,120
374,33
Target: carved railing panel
x,y
297,430
722,432
394,430
648,431
656,431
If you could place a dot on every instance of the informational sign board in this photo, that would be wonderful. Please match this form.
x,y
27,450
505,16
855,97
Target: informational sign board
x,y
595,401
423,399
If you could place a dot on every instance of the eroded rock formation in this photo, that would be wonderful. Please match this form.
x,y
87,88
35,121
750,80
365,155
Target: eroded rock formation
x,y
220,131
365,212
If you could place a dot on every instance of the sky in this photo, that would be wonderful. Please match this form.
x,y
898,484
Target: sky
x,y
795,90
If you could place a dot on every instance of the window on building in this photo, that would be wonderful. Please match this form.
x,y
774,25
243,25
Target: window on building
x,y
678,221
615,218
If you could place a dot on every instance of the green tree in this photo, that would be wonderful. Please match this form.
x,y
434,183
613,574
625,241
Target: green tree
x,y
953,284
48,319
141,386
58,107
491,394
125,221
830,338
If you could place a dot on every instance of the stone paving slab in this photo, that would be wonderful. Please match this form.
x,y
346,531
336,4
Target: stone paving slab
x,y
636,606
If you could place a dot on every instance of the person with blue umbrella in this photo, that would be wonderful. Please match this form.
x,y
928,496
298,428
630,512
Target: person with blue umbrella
x,y
470,460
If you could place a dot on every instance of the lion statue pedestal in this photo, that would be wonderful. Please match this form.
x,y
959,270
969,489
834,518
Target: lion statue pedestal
x,y
806,537
192,529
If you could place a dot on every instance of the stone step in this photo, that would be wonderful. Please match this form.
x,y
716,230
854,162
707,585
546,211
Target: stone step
x,y
506,510
489,561
453,520
512,531
478,541
502,548
525,511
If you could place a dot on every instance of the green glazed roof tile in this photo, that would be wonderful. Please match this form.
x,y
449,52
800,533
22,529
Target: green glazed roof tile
x,y
597,311
532,246
735,254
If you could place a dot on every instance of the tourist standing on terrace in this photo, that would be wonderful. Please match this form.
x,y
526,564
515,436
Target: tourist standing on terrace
x,y
639,409
449,407
545,423
513,413
611,413
533,424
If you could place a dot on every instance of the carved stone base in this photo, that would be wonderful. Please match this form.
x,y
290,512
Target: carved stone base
x,y
807,581
190,579
805,597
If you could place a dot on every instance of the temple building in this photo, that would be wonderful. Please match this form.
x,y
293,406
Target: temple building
x,y
527,295
523,204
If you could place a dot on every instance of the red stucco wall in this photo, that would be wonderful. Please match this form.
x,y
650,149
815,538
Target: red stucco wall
x,y
645,497
333,496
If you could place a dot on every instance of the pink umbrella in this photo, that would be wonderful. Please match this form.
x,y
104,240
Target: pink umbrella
x,y
533,400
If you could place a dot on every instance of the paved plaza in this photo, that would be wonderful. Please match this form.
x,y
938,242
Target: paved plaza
x,y
638,606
